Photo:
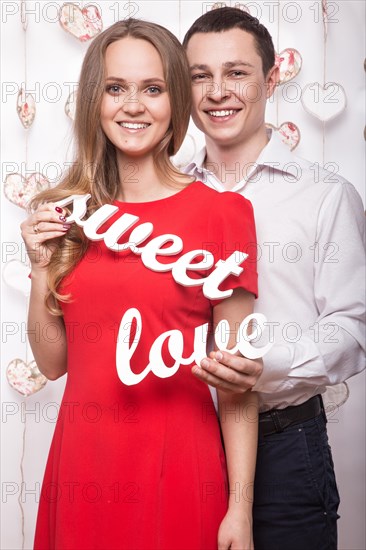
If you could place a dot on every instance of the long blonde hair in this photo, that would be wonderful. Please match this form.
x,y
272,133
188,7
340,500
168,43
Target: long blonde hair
x,y
95,169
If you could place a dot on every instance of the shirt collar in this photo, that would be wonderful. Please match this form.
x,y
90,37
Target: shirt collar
x,y
276,155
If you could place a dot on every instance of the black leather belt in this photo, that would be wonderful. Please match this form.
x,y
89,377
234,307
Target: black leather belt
x,y
276,420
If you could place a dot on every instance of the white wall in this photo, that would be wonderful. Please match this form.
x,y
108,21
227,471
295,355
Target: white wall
x,y
53,56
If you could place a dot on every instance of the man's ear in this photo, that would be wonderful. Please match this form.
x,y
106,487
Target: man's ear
x,y
272,80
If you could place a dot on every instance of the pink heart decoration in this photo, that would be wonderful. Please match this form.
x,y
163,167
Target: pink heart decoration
x,y
26,108
289,61
19,189
15,275
288,132
24,377
70,105
84,23
324,102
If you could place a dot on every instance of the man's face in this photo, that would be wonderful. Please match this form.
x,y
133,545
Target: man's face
x,y
228,85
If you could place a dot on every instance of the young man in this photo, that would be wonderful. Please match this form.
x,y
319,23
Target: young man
x,y
311,275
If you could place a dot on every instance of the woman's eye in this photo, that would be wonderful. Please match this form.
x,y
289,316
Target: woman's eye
x,y
154,90
114,89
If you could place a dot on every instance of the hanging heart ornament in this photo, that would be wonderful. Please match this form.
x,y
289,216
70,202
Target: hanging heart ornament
x,y
24,377
16,276
19,189
289,61
288,132
26,108
324,102
70,105
84,23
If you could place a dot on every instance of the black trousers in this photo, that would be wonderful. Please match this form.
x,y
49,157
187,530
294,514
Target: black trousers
x,y
296,497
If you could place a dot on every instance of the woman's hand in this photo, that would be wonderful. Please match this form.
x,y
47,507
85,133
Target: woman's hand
x,y
48,222
235,532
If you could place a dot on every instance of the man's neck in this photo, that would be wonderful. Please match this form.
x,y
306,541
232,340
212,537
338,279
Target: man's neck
x,y
232,164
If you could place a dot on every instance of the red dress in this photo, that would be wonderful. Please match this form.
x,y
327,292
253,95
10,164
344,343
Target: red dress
x,y
142,466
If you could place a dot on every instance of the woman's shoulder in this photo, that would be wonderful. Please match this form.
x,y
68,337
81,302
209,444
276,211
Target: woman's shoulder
x,y
223,200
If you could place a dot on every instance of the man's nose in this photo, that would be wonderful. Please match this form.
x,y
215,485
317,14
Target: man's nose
x,y
217,90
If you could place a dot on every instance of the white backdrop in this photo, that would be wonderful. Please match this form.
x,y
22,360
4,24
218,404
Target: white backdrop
x,y
49,60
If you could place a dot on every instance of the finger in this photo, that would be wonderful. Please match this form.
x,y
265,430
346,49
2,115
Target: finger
x,y
226,373
46,227
219,383
51,207
241,364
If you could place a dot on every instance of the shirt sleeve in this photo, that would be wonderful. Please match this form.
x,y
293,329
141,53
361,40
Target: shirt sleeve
x,y
333,349
231,228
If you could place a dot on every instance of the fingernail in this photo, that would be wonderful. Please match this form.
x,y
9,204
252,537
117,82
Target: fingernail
x,y
62,218
65,226
204,363
58,209
219,356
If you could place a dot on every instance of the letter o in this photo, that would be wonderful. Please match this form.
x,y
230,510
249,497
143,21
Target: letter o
x,y
96,417
86,332
94,495
45,12
285,332
45,408
58,92
290,85
287,257
285,12
51,165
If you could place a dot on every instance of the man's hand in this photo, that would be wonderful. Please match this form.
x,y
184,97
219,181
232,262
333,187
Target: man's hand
x,y
229,372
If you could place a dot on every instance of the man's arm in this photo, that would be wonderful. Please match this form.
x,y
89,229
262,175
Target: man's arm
x,y
333,349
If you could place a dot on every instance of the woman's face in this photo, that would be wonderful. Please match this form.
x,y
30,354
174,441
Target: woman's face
x,y
135,109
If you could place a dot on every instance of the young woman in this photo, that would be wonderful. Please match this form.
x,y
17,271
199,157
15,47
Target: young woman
x,y
137,461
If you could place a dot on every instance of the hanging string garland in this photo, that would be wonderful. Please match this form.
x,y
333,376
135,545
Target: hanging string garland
x,y
325,100
289,62
82,23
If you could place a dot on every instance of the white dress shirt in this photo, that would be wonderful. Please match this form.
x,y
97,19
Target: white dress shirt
x,y
310,251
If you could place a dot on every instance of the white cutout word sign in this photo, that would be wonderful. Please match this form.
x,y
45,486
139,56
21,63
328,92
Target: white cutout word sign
x,y
179,268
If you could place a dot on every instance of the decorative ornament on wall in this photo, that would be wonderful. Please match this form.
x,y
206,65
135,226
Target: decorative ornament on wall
x,y
289,61
324,102
25,377
83,23
19,189
70,105
26,108
288,132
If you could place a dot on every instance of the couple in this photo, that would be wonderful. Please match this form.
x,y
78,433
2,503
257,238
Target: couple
x,y
143,466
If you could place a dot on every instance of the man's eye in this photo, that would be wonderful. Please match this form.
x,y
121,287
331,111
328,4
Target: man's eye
x,y
198,77
238,73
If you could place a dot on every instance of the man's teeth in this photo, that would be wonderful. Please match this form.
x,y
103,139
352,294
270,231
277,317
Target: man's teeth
x,y
134,125
221,113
